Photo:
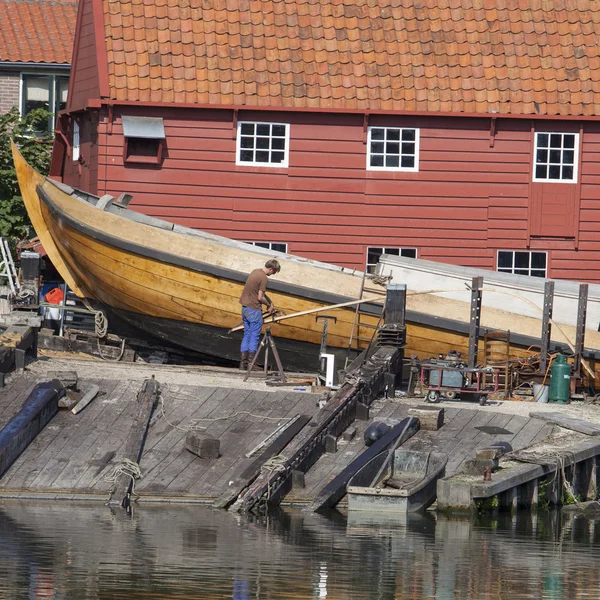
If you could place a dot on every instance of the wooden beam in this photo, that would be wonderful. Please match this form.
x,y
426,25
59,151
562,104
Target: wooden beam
x,y
252,471
134,447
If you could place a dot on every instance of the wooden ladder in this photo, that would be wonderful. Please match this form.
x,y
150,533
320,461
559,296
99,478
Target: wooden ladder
x,y
359,323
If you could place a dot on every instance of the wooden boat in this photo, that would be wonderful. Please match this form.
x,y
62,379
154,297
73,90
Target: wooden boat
x,y
181,287
406,485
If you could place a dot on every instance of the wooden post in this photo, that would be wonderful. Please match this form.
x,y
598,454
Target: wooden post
x,y
546,325
475,320
580,331
134,447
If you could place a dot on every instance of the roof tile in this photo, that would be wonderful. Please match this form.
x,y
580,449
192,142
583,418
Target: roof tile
x,y
439,55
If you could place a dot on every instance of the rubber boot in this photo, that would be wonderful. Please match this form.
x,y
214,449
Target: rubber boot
x,y
251,356
244,362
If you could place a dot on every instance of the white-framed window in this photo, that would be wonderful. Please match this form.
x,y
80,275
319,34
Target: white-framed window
x,y
276,246
75,141
264,144
393,149
47,91
556,157
374,254
523,262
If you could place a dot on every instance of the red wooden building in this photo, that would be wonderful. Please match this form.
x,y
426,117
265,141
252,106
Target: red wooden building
x,y
461,131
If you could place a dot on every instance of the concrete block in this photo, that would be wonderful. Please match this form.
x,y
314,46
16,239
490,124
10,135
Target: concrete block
x,y
349,434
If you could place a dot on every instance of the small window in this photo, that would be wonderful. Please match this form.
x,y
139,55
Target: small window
x,y
276,246
75,141
374,254
263,144
44,91
533,264
393,149
144,139
556,157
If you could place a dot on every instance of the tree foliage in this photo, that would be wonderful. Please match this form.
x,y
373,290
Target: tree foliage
x,y
35,143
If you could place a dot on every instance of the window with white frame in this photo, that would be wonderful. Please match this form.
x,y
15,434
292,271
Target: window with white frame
x,y
375,253
44,91
393,149
264,144
276,246
75,140
556,157
520,262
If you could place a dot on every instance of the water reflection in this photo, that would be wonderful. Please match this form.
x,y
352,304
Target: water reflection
x,y
74,551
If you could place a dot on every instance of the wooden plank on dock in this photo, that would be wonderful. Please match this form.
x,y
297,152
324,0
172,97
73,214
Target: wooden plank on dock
x,y
147,399
556,418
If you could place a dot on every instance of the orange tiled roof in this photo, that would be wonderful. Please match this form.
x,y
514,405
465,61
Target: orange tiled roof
x,y
37,31
480,56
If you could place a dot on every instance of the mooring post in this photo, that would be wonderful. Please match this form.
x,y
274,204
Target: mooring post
x,y
475,320
580,331
546,325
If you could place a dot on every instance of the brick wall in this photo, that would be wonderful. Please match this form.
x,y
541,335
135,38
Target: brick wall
x,y
9,90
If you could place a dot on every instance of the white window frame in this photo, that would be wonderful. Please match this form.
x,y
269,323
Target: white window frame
x,y
575,156
513,268
412,169
245,163
270,246
385,249
76,142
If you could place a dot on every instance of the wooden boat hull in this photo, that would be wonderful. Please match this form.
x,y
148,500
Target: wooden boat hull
x,y
420,472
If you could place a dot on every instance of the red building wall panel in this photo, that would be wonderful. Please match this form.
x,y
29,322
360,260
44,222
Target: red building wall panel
x,y
469,199
84,77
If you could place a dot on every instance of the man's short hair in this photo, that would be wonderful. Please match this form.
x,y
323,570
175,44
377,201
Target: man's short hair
x,y
273,264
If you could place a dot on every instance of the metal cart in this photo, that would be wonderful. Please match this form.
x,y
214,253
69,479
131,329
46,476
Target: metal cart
x,y
453,381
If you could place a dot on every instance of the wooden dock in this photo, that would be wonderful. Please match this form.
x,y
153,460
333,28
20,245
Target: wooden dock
x,y
74,455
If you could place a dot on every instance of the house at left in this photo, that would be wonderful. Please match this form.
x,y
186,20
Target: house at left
x,y
36,44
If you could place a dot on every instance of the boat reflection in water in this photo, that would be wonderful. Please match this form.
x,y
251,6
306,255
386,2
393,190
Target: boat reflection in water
x,y
86,551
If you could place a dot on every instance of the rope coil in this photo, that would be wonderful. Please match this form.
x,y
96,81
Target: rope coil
x,y
124,467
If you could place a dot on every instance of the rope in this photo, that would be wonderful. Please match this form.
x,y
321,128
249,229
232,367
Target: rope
x,y
380,279
100,324
194,424
124,467
568,460
276,464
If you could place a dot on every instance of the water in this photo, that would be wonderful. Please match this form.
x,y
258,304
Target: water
x,y
87,551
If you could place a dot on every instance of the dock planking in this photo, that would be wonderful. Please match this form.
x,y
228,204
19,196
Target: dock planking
x,y
74,453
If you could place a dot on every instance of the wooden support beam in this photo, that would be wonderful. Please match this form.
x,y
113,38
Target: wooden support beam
x,y
580,328
475,320
546,325
134,447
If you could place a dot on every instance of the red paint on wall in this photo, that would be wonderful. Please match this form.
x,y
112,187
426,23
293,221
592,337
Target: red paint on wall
x,y
468,200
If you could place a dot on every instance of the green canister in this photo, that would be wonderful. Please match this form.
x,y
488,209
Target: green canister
x,y
560,380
